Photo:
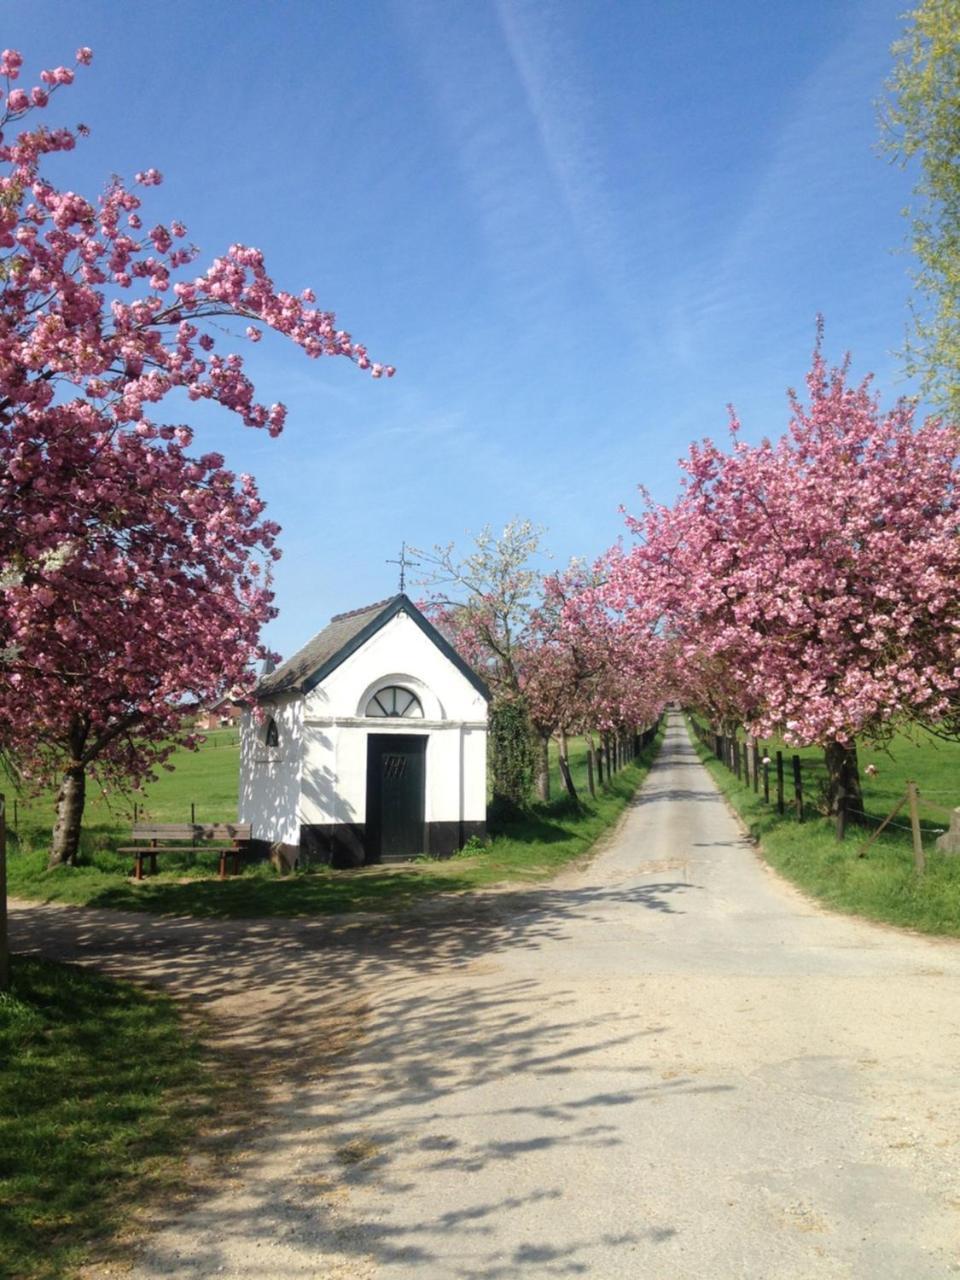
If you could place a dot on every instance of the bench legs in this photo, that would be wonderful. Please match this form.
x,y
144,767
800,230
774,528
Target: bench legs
x,y
234,856
138,864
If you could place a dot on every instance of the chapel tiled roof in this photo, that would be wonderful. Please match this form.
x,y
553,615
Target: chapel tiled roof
x,y
322,649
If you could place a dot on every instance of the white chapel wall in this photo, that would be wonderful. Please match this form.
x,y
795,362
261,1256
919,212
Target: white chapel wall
x,y
335,764
270,776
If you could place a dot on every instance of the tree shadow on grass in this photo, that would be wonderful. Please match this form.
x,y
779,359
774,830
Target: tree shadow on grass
x,y
394,1139
387,1042
392,1145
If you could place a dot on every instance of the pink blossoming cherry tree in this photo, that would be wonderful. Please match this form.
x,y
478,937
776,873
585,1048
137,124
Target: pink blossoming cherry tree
x,y
810,586
134,575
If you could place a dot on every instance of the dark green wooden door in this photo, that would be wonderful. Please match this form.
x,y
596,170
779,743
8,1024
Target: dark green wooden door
x,y
396,785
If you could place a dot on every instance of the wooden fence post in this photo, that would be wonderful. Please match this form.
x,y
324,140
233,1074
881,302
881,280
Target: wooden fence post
x,y
766,781
918,859
4,936
756,765
840,826
798,788
590,784
781,806
193,814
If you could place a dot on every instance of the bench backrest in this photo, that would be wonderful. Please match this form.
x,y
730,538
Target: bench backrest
x,y
192,831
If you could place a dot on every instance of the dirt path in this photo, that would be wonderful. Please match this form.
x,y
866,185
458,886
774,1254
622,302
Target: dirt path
x,y
668,1066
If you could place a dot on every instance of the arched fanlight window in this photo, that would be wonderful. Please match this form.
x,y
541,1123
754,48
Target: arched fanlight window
x,y
395,701
272,735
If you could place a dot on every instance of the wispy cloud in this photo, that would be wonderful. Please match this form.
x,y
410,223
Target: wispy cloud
x,y
480,111
802,223
559,98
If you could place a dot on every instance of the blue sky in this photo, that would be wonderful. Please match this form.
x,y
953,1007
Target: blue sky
x,y
578,229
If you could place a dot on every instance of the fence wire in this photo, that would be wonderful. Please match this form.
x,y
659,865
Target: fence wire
x,y
709,739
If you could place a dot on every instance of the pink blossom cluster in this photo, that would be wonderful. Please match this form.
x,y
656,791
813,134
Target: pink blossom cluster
x,y
578,674
134,576
567,656
122,599
808,586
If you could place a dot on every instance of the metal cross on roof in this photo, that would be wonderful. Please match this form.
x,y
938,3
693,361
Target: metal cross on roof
x,y
404,564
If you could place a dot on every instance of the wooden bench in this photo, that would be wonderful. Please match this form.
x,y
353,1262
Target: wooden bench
x,y
228,839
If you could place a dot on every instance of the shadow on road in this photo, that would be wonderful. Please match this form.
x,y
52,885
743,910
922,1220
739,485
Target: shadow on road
x,y
380,1036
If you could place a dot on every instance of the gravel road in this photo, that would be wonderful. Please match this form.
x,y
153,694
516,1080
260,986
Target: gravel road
x,y
667,1066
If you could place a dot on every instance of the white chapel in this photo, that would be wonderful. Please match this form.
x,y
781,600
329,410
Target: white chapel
x,y
368,745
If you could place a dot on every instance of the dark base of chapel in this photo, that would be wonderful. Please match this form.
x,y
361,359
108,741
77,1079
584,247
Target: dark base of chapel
x,y
343,844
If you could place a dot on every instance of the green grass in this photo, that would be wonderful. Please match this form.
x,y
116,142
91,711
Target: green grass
x,y
207,779
918,756
881,885
101,1086
530,847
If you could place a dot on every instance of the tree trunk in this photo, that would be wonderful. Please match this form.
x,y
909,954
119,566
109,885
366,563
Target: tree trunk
x,y
70,802
844,797
4,934
542,768
565,767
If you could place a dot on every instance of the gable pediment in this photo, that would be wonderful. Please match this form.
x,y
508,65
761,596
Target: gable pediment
x,y
346,634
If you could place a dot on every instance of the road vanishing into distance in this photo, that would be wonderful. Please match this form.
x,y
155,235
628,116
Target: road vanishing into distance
x,y
668,1065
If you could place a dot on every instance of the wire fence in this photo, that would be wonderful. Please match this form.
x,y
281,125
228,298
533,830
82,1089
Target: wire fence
x,y
751,765
19,813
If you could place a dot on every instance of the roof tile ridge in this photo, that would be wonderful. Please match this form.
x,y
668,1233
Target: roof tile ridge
x,y
352,613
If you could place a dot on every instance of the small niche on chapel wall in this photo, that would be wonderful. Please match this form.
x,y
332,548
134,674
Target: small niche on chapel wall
x,y
271,736
395,703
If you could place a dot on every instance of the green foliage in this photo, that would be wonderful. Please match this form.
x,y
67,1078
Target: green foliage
x,y
473,846
922,121
100,1089
512,760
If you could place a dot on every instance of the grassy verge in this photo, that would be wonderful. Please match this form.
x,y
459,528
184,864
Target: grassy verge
x,y
882,885
531,847
932,763
201,786
101,1086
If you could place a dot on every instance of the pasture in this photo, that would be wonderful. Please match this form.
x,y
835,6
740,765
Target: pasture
x,y
523,849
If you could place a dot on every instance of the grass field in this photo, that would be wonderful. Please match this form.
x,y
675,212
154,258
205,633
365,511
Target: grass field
x,y
101,1087
882,884
530,847
930,762
206,779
